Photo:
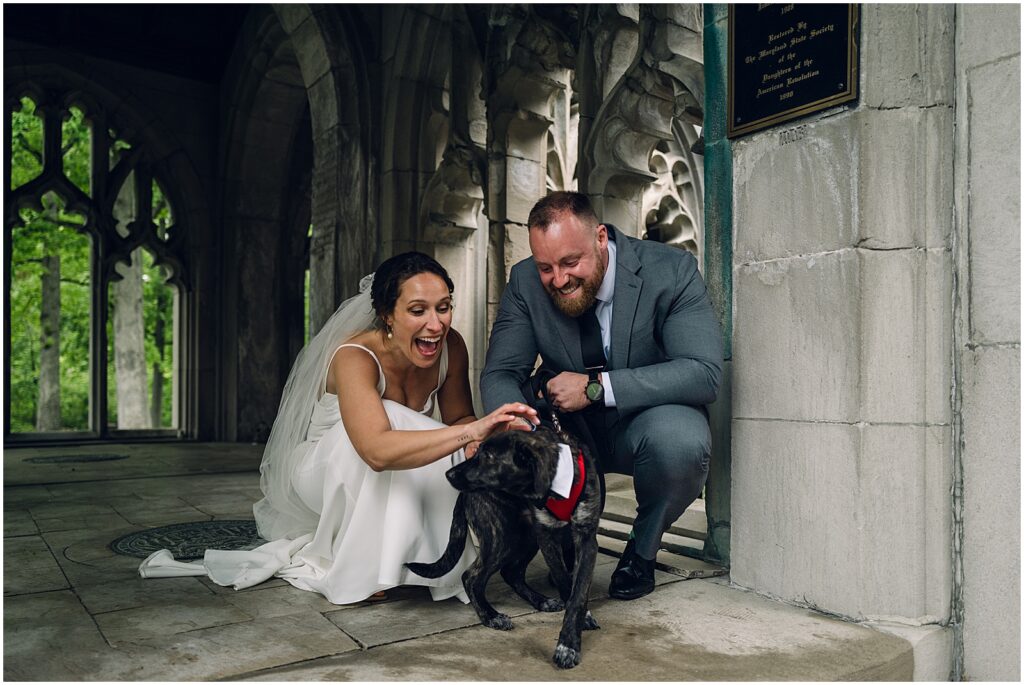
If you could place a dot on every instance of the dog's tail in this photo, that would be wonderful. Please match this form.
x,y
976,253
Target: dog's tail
x,y
456,545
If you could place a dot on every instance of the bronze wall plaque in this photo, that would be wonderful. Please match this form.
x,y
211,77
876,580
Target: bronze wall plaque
x,y
788,61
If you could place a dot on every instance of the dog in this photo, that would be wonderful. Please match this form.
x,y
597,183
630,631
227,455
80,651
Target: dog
x,y
505,497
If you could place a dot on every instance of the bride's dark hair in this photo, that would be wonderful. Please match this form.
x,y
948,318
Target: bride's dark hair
x,y
393,272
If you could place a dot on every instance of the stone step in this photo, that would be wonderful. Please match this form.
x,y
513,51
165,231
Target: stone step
x,y
692,524
670,542
676,564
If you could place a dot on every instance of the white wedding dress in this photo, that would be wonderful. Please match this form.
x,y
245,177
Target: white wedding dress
x,y
370,523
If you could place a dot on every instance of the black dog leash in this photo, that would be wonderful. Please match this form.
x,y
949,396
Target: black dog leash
x,y
538,387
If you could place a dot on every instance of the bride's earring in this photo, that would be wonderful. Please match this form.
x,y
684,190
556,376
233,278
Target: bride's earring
x,y
390,332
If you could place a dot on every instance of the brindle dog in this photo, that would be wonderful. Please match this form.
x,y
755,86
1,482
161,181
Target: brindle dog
x,y
503,491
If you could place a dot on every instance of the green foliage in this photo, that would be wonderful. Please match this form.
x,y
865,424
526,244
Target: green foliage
x,y
76,141
27,144
50,229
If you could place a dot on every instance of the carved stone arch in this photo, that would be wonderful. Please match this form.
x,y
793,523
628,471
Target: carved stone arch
x,y
266,115
662,84
416,118
433,168
328,45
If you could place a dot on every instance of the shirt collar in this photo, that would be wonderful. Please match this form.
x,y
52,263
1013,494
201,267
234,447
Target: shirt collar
x,y
607,289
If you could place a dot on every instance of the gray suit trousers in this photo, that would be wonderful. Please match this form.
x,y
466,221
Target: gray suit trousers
x,y
666,449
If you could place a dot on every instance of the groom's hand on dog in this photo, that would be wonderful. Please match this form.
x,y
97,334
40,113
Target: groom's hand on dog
x,y
568,391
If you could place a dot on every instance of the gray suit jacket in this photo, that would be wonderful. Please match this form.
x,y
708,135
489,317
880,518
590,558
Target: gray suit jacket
x,y
666,345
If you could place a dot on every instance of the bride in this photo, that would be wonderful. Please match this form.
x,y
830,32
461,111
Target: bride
x,y
353,475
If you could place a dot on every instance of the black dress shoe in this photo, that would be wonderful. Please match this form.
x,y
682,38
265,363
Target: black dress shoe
x,y
633,577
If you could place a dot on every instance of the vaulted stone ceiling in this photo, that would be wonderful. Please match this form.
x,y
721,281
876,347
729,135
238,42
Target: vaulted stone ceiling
x,y
192,41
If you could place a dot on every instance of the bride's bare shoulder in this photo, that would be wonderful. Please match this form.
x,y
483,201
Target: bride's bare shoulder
x,y
370,339
353,364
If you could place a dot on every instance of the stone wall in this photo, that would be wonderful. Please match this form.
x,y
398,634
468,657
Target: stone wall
x,y
987,328
876,302
842,280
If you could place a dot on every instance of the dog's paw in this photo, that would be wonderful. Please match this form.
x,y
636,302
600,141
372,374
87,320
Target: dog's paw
x,y
499,622
566,657
589,622
551,604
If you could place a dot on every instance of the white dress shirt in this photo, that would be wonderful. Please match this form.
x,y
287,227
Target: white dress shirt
x,y
603,311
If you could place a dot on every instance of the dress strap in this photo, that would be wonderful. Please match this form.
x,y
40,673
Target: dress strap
x,y
381,383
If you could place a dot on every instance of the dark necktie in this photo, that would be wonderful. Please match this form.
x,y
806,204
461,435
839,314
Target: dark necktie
x,y
590,340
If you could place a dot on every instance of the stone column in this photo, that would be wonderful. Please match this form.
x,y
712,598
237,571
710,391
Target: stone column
x,y
526,65
987,342
842,277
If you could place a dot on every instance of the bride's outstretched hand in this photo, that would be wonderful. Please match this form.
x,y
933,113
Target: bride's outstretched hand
x,y
510,416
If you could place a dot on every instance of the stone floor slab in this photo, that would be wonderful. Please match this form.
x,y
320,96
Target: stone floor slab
x,y
29,566
389,622
19,522
164,619
274,631
81,522
684,631
233,650
138,592
50,637
268,602
222,590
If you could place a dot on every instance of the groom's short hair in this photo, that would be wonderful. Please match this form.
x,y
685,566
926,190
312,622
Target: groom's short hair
x,y
550,208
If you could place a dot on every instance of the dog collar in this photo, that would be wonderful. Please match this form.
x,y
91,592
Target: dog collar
x,y
562,509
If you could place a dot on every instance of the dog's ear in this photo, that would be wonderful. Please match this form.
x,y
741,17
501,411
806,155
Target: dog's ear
x,y
541,457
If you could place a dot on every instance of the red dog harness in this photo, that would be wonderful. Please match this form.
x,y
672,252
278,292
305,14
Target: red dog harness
x,y
562,509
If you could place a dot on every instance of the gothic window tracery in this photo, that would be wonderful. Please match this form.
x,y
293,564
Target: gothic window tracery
x,y
95,273
673,202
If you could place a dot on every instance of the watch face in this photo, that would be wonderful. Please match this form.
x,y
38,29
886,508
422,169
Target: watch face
x,y
595,391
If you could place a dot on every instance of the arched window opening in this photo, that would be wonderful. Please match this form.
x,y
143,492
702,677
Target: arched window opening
x,y
50,313
94,277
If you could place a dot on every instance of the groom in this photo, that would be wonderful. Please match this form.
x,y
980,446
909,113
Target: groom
x,y
627,328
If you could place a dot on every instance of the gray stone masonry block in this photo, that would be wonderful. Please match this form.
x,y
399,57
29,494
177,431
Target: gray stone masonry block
x,y
311,51
994,197
845,518
870,178
991,500
933,649
526,137
525,184
904,516
794,512
795,340
986,32
291,15
905,348
323,106
905,193
799,197
517,246
622,212
907,55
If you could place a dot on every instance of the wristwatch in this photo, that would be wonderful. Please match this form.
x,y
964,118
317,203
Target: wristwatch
x,y
595,391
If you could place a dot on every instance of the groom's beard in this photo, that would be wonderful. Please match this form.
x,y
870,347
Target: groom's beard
x,y
586,298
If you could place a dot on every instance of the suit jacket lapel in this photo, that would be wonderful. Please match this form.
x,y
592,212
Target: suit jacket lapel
x,y
627,294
